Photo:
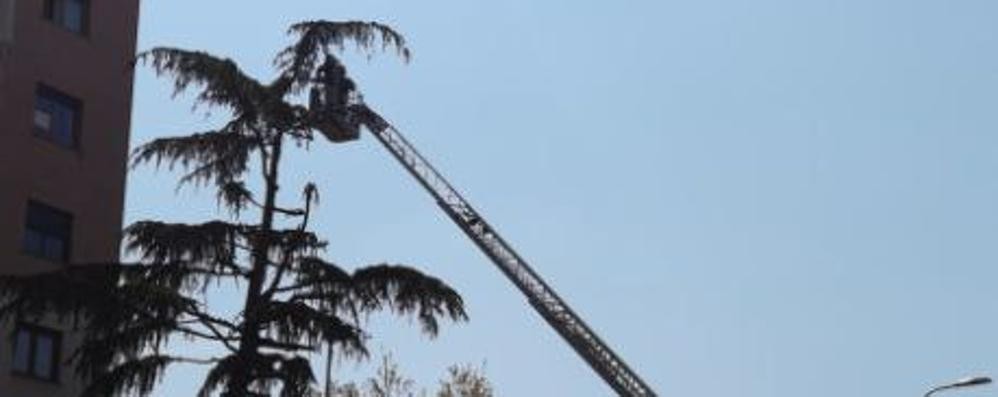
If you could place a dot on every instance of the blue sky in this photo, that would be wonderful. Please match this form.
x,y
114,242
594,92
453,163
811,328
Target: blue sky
x,y
744,198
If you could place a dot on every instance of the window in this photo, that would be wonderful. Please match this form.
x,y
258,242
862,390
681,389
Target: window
x,y
57,116
47,232
72,15
36,352
6,22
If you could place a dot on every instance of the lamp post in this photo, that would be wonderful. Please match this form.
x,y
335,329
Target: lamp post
x,y
965,382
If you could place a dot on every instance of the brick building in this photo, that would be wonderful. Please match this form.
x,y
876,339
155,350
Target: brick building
x,y
65,103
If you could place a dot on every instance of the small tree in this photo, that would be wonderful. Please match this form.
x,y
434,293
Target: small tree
x,y
465,381
390,381
296,302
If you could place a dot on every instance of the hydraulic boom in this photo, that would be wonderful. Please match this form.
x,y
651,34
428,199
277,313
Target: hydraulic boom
x,y
542,297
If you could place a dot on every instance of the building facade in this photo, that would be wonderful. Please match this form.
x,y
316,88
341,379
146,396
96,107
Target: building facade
x,y
65,104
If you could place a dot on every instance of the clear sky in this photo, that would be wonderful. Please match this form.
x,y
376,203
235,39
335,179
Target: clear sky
x,y
744,198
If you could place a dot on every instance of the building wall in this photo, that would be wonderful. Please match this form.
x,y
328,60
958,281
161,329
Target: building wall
x,y
86,181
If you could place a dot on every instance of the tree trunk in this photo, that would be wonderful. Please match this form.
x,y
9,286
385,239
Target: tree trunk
x,y
249,342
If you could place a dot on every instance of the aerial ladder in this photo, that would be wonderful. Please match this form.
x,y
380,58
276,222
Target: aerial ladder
x,y
541,296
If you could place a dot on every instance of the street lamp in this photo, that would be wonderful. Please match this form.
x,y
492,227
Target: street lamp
x,y
965,382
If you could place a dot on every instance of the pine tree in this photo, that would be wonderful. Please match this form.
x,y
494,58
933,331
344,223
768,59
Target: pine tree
x,y
296,303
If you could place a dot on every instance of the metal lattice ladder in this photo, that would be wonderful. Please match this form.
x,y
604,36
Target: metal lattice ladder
x,y
541,296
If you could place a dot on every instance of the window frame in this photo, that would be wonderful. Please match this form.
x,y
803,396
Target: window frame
x,y
35,332
32,228
49,14
60,98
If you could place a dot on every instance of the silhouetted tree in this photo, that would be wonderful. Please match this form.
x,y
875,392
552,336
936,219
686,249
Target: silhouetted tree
x,y
296,302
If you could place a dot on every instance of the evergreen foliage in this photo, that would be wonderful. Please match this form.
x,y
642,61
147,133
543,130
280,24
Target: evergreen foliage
x,y
296,302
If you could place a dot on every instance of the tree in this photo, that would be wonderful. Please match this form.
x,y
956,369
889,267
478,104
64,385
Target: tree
x,y
296,302
390,381
465,381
